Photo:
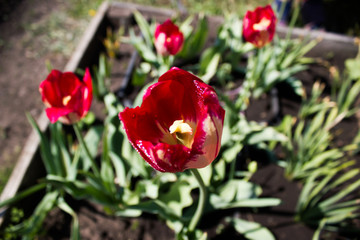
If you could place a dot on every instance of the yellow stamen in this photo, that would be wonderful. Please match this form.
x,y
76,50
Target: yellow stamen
x,y
66,100
183,132
180,127
262,25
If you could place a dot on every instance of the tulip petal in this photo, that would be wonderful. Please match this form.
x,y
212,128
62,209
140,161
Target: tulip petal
x,y
54,113
49,90
140,124
175,103
164,157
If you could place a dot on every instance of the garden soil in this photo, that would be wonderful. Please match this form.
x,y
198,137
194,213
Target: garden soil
x,y
22,68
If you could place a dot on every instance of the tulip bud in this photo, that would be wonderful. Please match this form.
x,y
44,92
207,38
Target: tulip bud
x,y
259,26
68,99
168,38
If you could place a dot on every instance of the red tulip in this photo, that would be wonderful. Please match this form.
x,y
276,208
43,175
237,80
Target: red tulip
x,y
68,99
168,38
179,124
259,26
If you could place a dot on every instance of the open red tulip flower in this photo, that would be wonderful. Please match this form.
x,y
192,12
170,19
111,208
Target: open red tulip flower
x,y
168,38
259,26
68,99
178,125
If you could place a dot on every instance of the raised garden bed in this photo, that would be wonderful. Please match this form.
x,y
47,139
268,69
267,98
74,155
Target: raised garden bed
x,y
333,48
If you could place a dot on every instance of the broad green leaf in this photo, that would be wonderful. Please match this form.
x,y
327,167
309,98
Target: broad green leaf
x,y
119,169
206,174
92,139
353,68
230,154
251,230
208,63
178,196
233,191
266,134
156,207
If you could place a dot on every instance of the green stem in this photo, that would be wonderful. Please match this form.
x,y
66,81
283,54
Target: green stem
x,y
86,149
202,199
232,169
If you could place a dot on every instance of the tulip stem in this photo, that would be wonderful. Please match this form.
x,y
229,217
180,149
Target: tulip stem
x,y
86,149
202,200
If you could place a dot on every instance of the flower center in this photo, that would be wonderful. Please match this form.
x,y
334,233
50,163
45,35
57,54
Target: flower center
x,y
262,25
66,100
183,132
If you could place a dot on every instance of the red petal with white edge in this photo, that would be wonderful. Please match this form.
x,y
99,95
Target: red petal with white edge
x,y
87,94
55,113
207,140
164,157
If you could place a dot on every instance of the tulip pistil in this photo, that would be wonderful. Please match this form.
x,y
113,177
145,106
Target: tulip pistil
x,y
183,132
66,100
262,25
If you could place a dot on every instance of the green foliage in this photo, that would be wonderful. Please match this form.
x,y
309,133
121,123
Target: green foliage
x,y
277,63
327,201
101,77
250,230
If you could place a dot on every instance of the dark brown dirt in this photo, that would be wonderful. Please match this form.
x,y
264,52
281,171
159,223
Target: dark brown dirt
x,y
21,71
97,225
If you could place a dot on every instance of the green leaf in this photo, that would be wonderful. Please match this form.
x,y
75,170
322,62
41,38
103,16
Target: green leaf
x,y
70,171
264,135
230,154
156,207
31,226
144,28
219,170
75,230
253,203
45,151
147,188
208,64
119,169
353,68
342,193
234,191
92,139
206,174
23,194
178,196
146,52
195,41
251,230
